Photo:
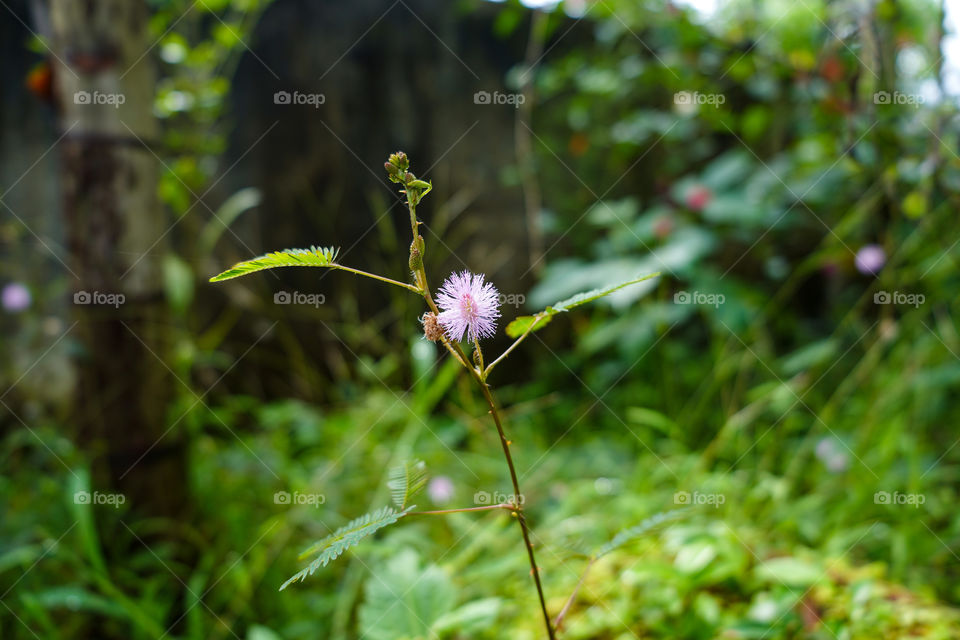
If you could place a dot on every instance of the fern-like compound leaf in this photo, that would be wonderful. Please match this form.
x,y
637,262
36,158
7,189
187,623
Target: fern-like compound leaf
x,y
628,535
312,257
405,481
333,546
523,324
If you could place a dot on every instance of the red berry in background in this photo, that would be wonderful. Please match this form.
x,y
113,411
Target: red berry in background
x,y
698,197
40,81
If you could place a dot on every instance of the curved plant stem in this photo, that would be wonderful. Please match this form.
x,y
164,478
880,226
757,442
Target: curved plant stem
x,y
519,510
479,374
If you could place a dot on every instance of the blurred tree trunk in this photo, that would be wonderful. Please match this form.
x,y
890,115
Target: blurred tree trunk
x,y
104,85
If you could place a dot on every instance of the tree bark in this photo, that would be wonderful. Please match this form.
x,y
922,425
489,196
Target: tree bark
x,y
104,79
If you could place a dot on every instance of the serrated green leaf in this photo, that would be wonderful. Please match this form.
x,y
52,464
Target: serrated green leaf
x,y
523,324
333,546
312,257
405,481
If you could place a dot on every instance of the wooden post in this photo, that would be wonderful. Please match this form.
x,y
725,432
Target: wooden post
x,y
104,80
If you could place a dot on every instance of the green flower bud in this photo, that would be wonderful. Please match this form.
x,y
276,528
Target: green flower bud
x,y
416,259
400,161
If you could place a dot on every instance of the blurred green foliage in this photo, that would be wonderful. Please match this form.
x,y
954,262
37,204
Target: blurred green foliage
x,y
785,386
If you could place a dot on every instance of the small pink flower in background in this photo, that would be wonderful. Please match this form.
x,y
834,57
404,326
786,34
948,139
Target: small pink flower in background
x,y
440,489
870,259
468,306
15,297
698,197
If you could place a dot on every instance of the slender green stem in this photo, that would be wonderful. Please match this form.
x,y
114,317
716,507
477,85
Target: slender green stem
x,y
524,528
420,275
513,346
489,507
479,374
573,596
479,355
376,277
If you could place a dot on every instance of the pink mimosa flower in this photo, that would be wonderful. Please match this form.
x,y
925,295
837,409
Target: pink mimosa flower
x,y
468,306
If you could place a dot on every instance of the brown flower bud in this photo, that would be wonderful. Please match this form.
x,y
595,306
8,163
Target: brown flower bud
x,y
432,330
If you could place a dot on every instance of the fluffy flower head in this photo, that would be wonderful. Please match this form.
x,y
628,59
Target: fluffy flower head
x,y
468,305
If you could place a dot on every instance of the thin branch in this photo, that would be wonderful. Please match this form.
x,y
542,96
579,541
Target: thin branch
x,y
478,374
376,277
489,507
519,512
513,346
573,596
